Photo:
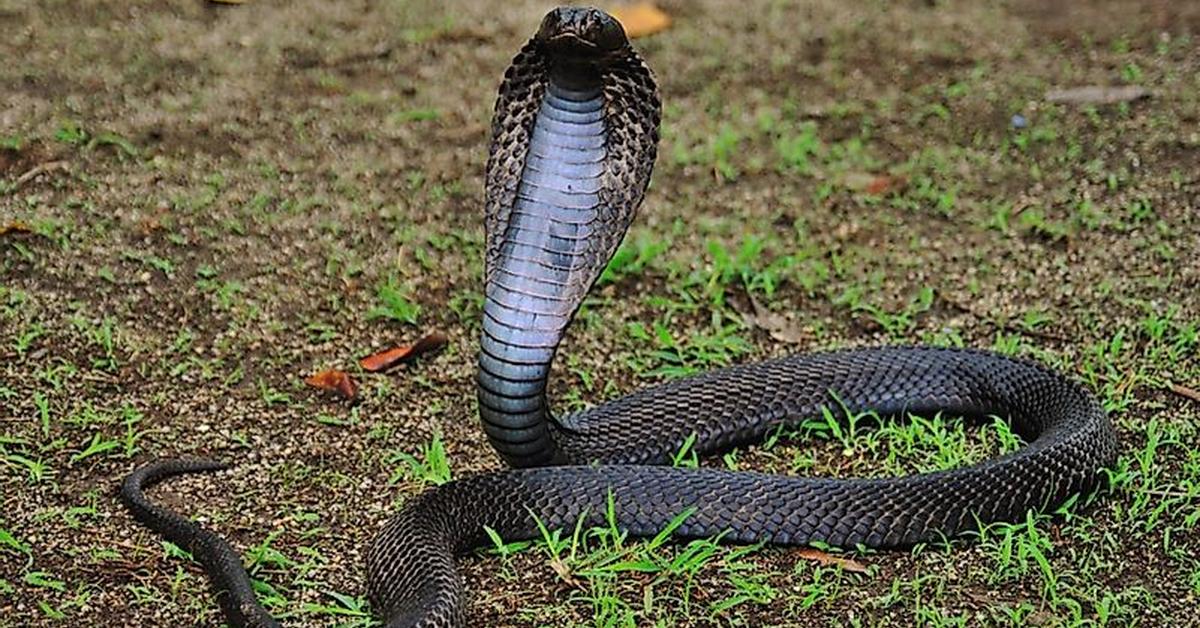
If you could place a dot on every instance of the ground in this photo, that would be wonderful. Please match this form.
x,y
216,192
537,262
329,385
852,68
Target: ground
x,y
203,204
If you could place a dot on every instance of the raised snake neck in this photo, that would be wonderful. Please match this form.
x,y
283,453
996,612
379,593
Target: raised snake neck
x,y
574,137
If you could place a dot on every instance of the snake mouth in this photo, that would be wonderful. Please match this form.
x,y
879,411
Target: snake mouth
x,y
568,42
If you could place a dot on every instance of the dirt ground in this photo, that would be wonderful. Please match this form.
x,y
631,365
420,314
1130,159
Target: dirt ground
x,y
201,205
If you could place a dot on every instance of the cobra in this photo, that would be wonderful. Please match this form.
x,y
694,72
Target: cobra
x,y
574,139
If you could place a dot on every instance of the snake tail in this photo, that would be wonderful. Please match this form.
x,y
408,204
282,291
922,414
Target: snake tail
x,y
221,562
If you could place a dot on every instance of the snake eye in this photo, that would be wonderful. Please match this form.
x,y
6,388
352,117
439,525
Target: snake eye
x,y
551,24
611,35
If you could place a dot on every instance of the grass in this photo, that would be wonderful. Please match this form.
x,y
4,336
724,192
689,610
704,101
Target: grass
x,y
431,466
395,303
824,172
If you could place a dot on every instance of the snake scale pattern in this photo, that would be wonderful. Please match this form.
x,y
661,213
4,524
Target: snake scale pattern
x,y
573,144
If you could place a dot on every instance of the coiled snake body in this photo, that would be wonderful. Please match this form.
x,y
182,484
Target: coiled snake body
x,y
573,143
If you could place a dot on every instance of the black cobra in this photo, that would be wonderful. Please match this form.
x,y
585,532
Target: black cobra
x,y
573,143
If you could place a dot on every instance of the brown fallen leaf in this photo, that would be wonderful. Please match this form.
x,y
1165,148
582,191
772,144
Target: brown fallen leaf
x,y
776,325
15,226
875,184
335,380
564,573
883,184
641,18
1097,95
153,223
386,359
855,180
825,558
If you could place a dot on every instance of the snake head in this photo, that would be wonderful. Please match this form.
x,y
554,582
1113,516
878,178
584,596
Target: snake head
x,y
583,33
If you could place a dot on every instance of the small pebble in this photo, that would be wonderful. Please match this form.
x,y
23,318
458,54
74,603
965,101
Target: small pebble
x,y
1019,121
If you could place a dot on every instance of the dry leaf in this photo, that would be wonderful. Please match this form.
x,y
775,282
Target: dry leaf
x,y
335,380
564,573
15,227
856,181
391,357
825,558
641,18
385,359
776,325
875,184
1098,95
883,184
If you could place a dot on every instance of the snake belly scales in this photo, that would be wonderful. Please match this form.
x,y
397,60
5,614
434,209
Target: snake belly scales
x,y
574,139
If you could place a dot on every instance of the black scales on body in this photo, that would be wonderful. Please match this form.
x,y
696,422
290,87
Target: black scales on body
x,y
573,144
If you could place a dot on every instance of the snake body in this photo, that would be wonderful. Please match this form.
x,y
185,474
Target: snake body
x,y
573,143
